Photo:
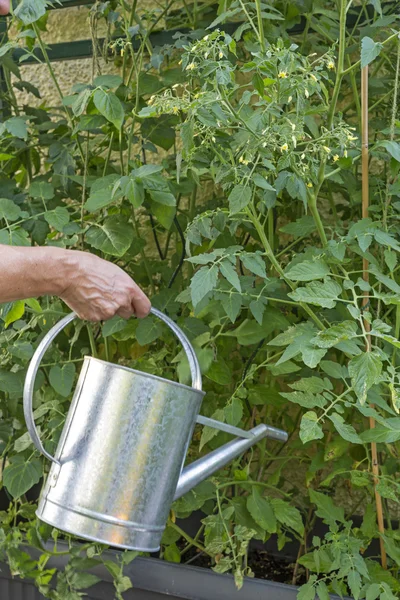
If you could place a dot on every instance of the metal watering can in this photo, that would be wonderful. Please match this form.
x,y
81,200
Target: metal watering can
x,y
119,462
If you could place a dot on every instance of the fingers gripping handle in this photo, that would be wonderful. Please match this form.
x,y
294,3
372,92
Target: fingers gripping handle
x,y
43,347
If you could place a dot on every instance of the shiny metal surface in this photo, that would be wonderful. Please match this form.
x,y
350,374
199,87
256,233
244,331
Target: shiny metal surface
x,y
196,472
118,463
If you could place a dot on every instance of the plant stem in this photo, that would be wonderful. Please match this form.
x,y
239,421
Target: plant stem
x,y
187,537
143,255
92,341
260,25
268,250
312,203
365,211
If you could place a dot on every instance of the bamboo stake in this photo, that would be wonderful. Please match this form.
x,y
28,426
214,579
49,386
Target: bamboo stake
x,y
365,206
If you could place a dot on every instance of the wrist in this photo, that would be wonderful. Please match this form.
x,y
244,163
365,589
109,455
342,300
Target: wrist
x,y
59,266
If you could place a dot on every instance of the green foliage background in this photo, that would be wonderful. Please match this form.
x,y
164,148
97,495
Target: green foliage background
x,y
223,173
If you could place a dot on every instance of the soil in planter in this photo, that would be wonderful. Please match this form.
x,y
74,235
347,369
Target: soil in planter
x,y
263,564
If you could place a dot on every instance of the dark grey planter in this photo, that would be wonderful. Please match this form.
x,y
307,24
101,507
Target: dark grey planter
x,y
154,579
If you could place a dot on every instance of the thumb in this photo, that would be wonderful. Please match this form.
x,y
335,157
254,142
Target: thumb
x,y
4,7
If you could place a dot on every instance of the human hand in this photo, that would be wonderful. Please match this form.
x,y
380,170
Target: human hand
x,y
4,7
98,290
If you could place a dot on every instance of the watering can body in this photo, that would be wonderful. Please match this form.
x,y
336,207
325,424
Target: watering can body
x,y
119,462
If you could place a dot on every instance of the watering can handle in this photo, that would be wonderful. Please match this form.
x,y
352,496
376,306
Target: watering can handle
x,y
43,347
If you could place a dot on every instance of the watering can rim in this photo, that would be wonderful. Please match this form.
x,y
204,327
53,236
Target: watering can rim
x,y
88,358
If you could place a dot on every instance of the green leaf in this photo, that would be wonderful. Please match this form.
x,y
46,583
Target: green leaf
x,y
113,326
303,226
9,210
250,332
323,294
29,11
373,591
347,432
354,583
239,198
172,553
82,581
15,313
308,270
310,429
17,127
57,218
326,509
364,370
80,103
231,303
305,399
20,475
108,81
392,549
369,51
109,106
62,378
307,591
99,199
203,281
336,334
230,274
261,182
114,236
148,330
254,263
261,511
288,515
220,372
393,148
41,189
233,411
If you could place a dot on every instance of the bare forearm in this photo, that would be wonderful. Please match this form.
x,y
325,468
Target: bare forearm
x,y
31,272
94,288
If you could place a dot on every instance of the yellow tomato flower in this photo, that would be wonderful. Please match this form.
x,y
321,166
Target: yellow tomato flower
x,y
309,184
221,55
336,158
284,148
331,65
327,150
313,77
306,93
282,74
190,66
175,110
345,153
290,99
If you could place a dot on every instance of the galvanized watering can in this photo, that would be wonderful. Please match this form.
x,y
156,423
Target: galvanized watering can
x,y
119,461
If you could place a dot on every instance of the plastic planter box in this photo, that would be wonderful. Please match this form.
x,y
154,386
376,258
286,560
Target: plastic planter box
x,y
155,579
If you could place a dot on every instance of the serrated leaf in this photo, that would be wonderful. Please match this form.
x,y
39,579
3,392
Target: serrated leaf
x,y
346,431
303,226
369,51
233,411
254,263
308,270
80,103
326,509
62,378
57,218
204,281
108,104
288,515
230,274
148,330
20,475
239,198
16,312
17,127
9,210
310,429
334,335
261,511
29,11
321,294
108,81
114,236
364,370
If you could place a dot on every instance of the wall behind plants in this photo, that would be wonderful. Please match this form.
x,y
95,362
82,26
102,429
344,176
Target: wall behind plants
x,y
239,157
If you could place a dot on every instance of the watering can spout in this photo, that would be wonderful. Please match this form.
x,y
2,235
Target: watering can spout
x,y
204,467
